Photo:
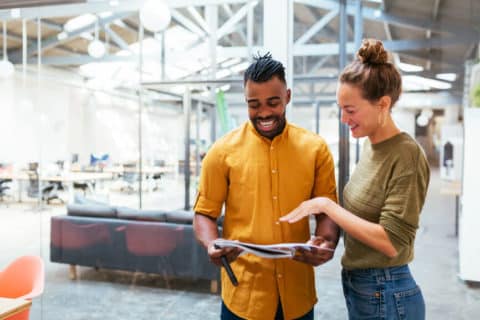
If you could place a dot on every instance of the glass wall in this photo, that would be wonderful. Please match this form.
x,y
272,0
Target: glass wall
x,y
99,165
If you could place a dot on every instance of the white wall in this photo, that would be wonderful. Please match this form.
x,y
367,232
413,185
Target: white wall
x,y
46,121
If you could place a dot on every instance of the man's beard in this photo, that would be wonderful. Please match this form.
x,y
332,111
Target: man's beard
x,y
279,120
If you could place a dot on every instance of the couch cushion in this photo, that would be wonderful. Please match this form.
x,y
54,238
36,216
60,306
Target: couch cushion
x,y
91,210
143,215
180,216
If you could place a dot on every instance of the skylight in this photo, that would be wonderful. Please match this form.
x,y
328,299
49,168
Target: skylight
x,y
407,67
79,22
418,83
447,76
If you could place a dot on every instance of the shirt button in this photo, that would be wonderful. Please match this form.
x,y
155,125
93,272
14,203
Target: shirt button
x,y
274,197
277,223
274,171
271,147
279,275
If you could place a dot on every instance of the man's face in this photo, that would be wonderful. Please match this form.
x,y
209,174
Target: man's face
x,y
267,102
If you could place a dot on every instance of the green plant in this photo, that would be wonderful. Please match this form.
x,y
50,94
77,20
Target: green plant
x,y
476,96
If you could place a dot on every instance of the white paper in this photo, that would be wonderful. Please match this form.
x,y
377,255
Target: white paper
x,y
271,251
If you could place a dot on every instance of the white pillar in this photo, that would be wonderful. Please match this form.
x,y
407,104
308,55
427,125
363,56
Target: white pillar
x,y
278,33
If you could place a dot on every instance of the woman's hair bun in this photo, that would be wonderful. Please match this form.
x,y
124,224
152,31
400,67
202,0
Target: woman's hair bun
x,y
372,52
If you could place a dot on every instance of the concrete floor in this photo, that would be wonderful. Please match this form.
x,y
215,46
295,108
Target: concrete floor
x,y
111,295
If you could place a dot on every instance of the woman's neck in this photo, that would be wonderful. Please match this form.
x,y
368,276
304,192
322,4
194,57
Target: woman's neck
x,y
384,132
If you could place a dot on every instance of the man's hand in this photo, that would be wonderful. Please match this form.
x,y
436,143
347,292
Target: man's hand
x,y
316,256
215,254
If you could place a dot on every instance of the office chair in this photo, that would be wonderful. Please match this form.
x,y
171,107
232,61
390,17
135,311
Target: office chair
x,y
130,176
4,188
48,192
24,278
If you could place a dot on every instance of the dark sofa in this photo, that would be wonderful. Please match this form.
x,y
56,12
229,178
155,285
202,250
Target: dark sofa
x,y
103,236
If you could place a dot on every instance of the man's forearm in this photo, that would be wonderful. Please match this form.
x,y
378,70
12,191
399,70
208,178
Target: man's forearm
x,y
205,229
327,229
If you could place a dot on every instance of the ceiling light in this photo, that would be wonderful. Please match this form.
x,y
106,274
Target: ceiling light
x,y
240,67
79,22
96,49
407,67
62,35
427,113
6,69
15,13
377,13
155,15
447,76
225,87
422,120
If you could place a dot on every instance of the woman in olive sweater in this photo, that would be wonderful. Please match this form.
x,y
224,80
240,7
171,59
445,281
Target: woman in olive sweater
x,y
382,200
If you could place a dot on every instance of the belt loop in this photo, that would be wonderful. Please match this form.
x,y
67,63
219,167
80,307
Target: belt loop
x,y
388,277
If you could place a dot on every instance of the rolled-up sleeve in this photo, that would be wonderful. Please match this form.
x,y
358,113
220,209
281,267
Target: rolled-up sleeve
x,y
213,184
325,174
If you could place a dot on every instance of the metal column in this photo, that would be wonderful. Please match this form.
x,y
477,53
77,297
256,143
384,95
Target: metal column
x,y
344,143
358,42
187,106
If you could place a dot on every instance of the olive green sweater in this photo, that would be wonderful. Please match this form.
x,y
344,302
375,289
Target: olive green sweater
x,y
388,187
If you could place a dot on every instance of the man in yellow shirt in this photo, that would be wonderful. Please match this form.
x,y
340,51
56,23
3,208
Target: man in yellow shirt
x,y
261,171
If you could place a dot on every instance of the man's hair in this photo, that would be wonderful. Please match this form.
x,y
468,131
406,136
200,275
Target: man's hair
x,y
263,69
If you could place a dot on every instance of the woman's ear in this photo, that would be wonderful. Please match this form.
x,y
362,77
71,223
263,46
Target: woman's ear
x,y
385,103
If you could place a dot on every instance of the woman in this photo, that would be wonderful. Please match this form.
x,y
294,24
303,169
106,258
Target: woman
x,y
384,197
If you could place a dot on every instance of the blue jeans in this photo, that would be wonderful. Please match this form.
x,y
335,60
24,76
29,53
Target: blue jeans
x,y
226,314
389,293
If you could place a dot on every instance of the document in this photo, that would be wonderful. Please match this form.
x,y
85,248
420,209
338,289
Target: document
x,y
271,251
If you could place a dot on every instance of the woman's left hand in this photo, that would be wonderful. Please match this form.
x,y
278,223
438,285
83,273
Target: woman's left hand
x,y
313,206
316,255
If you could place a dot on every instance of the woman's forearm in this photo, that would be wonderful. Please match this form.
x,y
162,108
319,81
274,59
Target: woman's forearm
x,y
369,233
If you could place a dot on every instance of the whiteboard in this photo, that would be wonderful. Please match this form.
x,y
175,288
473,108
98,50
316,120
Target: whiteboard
x,y
469,223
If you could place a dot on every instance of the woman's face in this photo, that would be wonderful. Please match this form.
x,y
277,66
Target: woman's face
x,y
363,117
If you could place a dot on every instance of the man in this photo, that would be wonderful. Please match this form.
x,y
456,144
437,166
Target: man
x,y
261,171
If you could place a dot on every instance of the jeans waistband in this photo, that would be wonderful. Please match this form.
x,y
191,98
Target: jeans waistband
x,y
386,274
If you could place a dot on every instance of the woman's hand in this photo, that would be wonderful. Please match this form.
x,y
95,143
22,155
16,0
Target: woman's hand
x,y
313,206
316,256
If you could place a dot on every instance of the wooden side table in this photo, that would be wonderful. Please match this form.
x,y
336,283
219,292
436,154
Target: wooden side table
x,y
10,307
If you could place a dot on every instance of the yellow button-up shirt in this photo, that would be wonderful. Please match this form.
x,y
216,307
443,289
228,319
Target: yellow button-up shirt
x,y
259,180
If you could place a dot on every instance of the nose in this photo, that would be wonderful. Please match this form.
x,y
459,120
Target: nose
x,y
264,112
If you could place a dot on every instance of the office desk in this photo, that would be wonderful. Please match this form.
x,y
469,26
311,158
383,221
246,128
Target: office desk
x,y
453,188
10,307
68,177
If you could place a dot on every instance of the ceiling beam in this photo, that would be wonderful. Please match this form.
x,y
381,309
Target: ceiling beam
x,y
63,37
382,16
96,6
122,44
394,46
319,25
229,25
187,23
198,17
51,25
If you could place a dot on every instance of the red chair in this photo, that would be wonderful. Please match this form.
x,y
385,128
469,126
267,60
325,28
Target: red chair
x,y
68,235
153,240
79,236
24,278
